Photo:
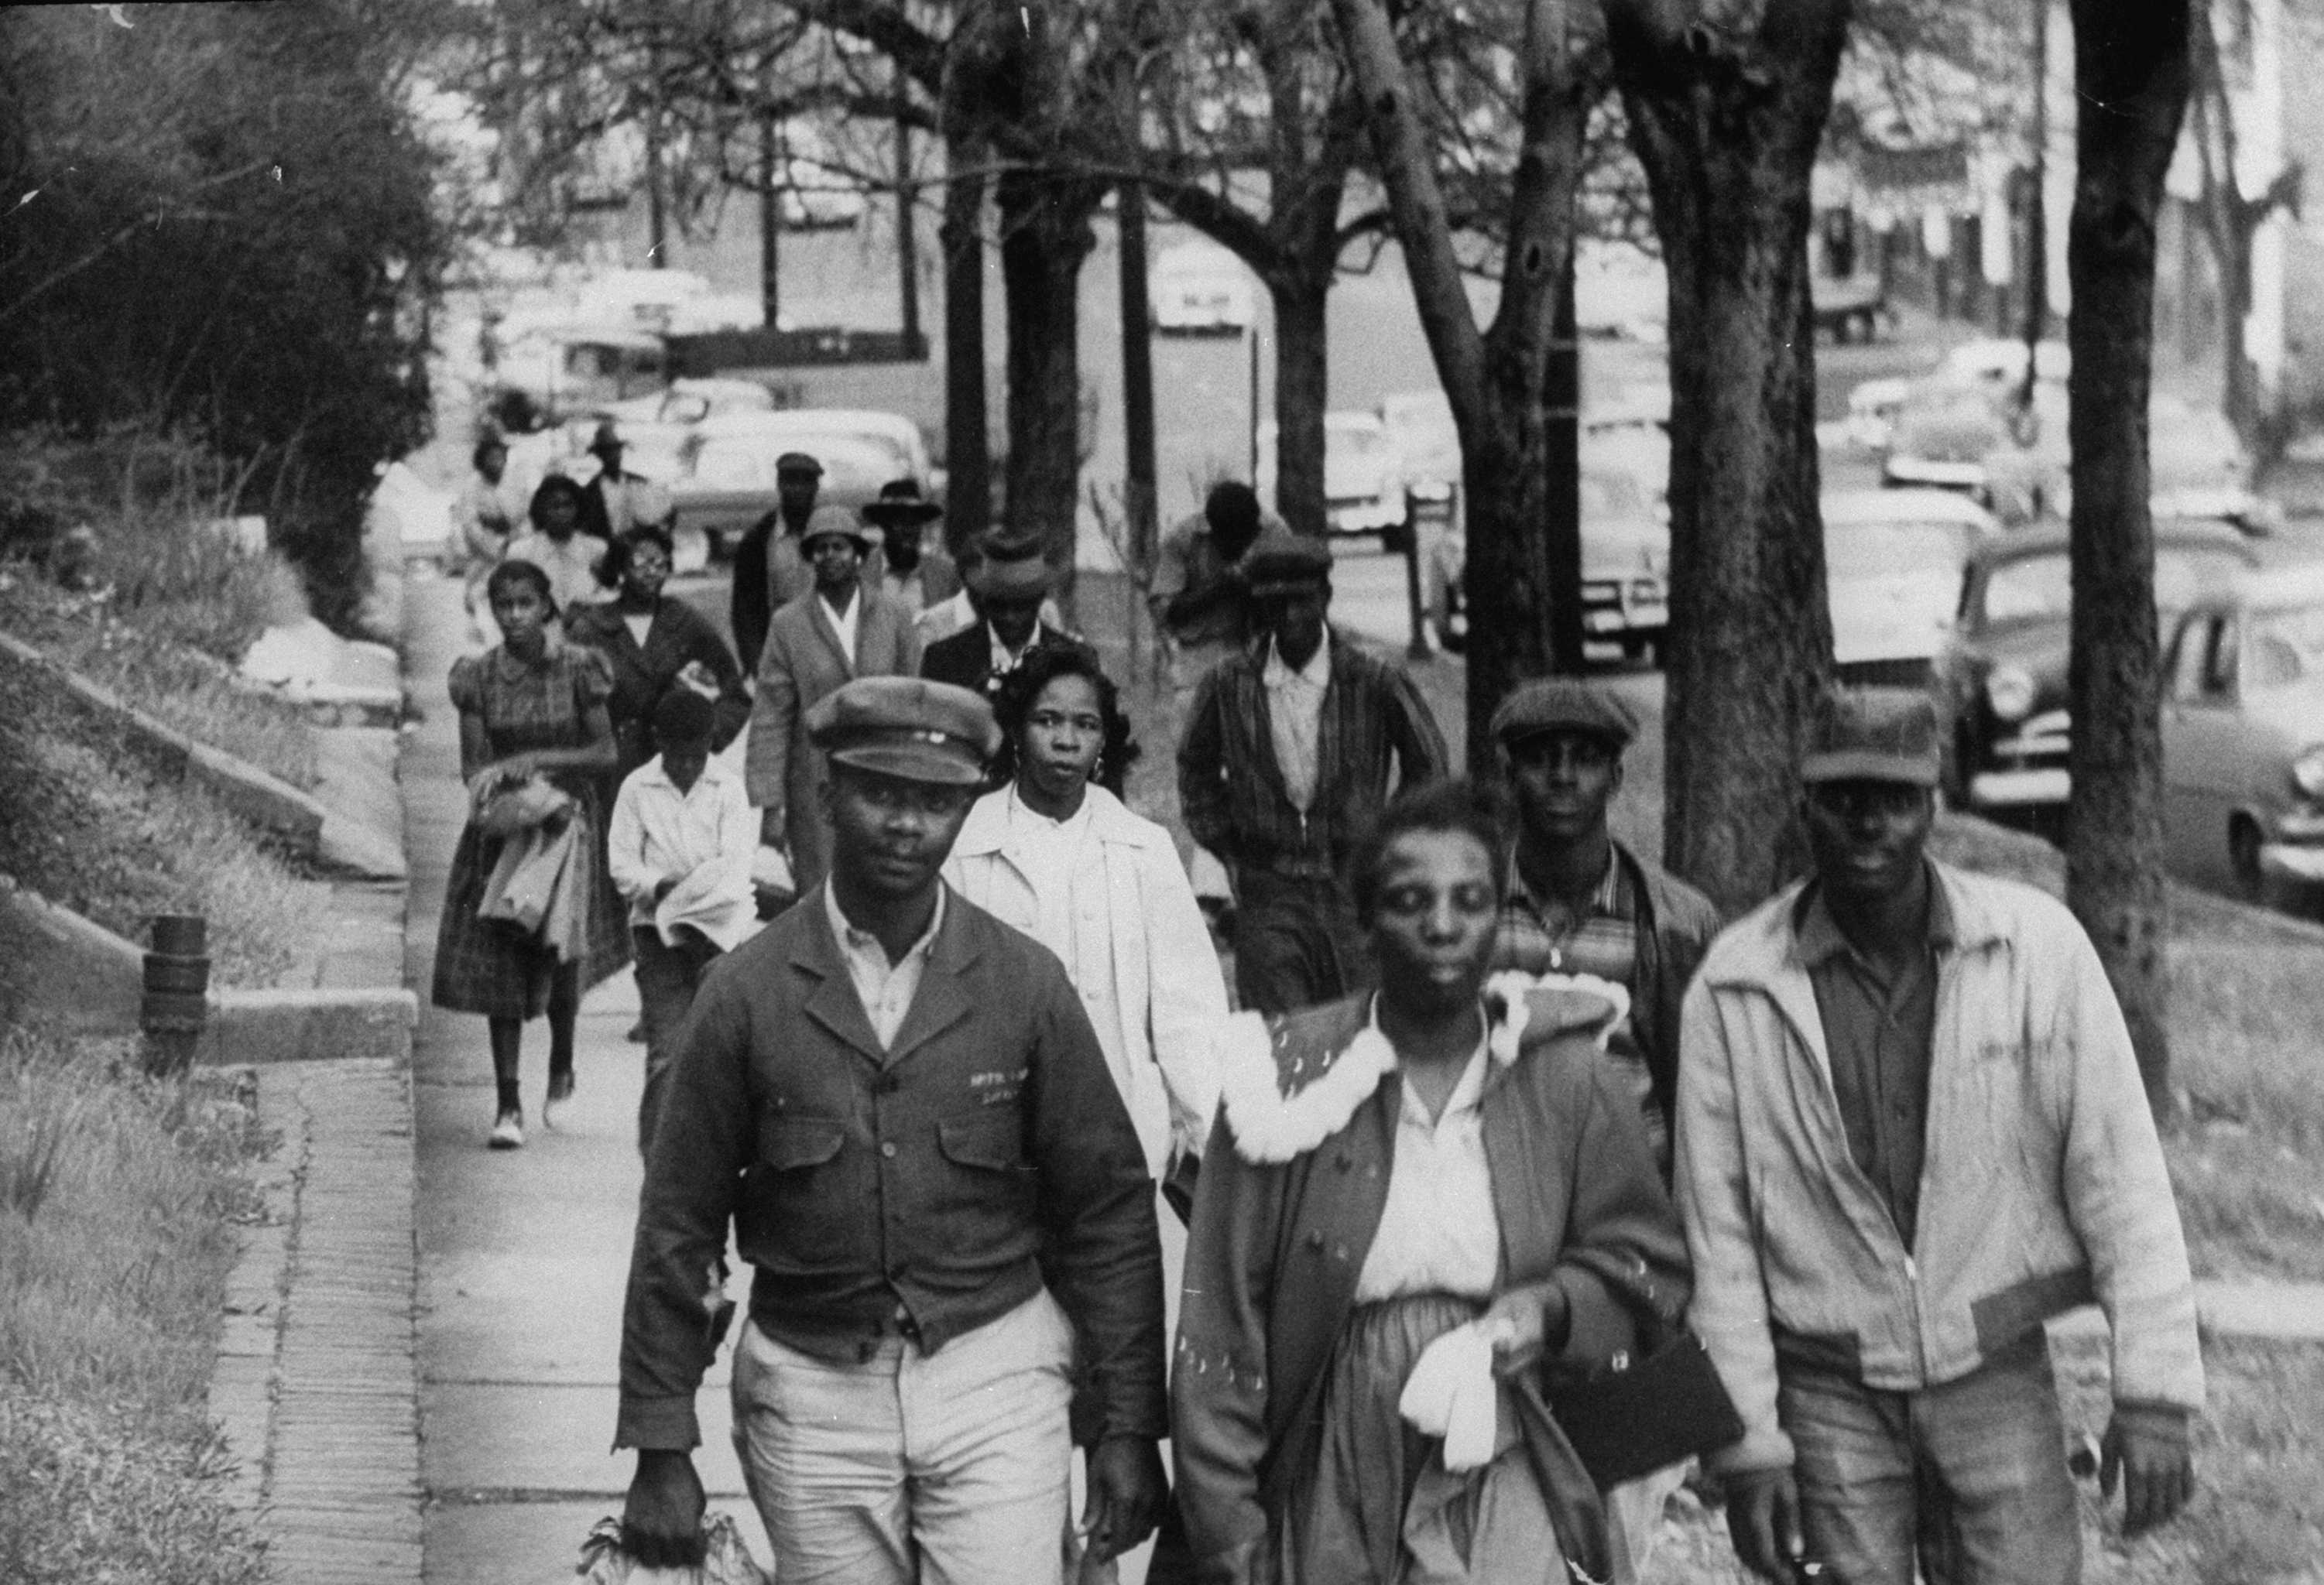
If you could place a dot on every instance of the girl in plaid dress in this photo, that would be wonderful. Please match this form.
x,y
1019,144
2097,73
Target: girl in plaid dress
x,y
535,703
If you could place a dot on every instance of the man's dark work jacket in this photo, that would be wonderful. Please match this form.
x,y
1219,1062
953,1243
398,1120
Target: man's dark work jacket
x,y
928,1189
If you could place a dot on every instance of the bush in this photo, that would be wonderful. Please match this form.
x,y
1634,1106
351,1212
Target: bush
x,y
117,1197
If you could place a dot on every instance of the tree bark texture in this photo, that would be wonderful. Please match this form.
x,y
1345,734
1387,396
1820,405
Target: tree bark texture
x,y
1727,125
1494,378
968,455
1045,238
2131,80
1302,368
1138,380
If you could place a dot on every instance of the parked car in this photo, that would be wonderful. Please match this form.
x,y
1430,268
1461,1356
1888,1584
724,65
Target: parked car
x,y
1200,289
2243,736
1893,561
2003,670
727,481
1363,490
2008,458
691,401
1422,436
1629,433
1625,572
1872,408
544,373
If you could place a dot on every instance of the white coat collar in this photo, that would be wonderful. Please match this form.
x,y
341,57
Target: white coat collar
x,y
986,830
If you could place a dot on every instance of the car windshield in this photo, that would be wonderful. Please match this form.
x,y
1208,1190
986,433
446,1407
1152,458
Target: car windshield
x,y
2285,647
2039,588
1877,551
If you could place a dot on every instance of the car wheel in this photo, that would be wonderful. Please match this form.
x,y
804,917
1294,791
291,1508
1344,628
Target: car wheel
x,y
2242,860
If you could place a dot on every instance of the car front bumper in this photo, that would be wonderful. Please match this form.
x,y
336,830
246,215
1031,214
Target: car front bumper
x,y
2297,853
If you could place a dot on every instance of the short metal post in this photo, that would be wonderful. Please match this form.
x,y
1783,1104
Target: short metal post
x,y
177,993
1417,650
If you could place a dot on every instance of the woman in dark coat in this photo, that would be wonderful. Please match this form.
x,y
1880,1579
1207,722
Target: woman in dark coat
x,y
1439,1173
652,642
534,703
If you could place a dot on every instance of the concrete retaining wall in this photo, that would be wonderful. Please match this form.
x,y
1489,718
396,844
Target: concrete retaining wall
x,y
265,800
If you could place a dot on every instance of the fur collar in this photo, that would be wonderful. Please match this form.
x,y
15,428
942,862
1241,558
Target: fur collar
x,y
1280,1104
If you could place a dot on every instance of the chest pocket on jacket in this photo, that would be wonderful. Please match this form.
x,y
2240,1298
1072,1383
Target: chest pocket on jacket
x,y
791,1144
987,1185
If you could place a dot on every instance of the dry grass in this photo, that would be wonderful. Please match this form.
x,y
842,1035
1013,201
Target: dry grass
x,y
117,1199
88,825
2258,1513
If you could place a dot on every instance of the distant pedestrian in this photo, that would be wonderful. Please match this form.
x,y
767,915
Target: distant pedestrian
x,y
484,522
655,643
1201,603
531,709
679,848
556,544
837,631
1910,1131
1290,750
1580,902
798,479
918,574
1009,584
896,1108
616,500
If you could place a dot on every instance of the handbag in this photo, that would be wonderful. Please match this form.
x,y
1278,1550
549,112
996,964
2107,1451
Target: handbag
x,y
1644,1410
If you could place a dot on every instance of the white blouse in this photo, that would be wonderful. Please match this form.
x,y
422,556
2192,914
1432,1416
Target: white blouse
x,y
1438,1233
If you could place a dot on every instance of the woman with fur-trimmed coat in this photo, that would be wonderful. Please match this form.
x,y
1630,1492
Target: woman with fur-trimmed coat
x,y
1413,1203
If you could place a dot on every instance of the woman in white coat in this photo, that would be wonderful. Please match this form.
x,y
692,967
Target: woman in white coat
x,y
1055,853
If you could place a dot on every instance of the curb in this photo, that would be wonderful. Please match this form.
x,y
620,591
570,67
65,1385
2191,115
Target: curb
x,y
258,795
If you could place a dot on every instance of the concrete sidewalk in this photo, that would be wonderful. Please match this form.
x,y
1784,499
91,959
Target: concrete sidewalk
x,y
523,1254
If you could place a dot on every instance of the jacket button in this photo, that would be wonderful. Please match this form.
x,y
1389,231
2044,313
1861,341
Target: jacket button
x,y
889,1083
1314,1240
889,1149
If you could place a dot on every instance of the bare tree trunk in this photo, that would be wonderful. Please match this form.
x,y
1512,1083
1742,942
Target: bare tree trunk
x,y
1494,378
2131,80
1138,380
1726,128
1044,237
1301,391
968,455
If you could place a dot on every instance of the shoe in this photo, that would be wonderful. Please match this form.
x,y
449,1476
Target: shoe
x,y
508,1132
561,1090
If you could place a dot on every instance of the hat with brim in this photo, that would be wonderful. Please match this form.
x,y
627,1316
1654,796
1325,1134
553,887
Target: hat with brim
x,y
900,505
907,727
1874,734
1280,562
1564,703
832,521
797,462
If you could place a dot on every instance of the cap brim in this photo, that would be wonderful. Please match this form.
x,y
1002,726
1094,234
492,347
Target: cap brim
x,y
1306,583
1866,765
1517,731
912,762
985,586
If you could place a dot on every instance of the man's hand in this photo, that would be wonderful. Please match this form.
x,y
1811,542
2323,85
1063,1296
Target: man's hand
x,y
1763,1520
2146,1448
1126,1493
662,1523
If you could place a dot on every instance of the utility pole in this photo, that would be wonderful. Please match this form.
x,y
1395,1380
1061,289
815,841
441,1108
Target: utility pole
x,y
2037,216
1137,373
908,251
771,224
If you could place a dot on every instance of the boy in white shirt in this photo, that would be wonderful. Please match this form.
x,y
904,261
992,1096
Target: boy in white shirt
x,y
679,846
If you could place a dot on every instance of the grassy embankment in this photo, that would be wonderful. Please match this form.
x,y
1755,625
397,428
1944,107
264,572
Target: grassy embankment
x,y
156,607
2247,1155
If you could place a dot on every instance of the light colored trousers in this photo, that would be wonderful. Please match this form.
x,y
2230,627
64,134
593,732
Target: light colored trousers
x,y
912,1468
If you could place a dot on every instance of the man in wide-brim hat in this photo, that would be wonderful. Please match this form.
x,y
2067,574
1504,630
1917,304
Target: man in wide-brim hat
x,y
1008,583
917,575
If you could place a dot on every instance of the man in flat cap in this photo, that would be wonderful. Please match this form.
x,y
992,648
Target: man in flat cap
x,y
836,630
770,572
617,501
1008,583
897,1104
918,575
1911,1130
1290,750
1580,902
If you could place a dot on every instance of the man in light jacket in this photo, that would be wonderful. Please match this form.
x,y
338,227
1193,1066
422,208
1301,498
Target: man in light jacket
x,y
1910,1131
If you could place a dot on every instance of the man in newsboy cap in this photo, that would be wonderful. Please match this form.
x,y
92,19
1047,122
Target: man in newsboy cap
x,y
1580,902
899,1107
1290,750
1911,1130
